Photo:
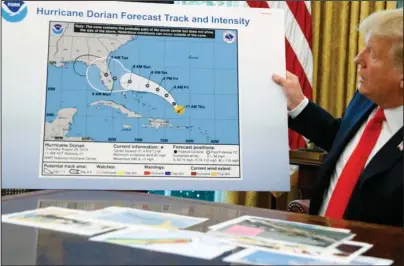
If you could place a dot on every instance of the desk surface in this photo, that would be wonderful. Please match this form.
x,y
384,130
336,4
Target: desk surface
x,y
31,246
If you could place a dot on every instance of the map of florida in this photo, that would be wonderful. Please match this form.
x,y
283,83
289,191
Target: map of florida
x,y
73,46
94,49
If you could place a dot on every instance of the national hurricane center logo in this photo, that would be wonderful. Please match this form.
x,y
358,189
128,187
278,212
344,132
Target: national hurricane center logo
x,y
13,11
229,36
57,29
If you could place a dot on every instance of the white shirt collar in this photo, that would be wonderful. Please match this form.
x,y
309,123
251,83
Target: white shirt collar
x,y
394,117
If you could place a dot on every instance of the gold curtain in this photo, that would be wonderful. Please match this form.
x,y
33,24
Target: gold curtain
x,y
335,44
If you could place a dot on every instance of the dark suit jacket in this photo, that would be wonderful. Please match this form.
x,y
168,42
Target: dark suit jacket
x,y
378,195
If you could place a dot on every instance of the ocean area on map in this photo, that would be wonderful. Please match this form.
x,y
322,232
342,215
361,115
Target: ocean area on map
x,y
200,74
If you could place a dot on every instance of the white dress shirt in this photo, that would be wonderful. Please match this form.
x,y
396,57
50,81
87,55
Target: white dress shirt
x,y
393,123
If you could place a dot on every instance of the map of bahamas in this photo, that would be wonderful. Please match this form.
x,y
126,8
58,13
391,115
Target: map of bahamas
x,y
125,83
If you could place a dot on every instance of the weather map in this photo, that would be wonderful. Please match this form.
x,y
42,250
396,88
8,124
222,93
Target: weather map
x,y
156,94
141,88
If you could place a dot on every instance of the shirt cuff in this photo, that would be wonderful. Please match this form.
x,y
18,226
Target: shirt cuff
x,y
295,112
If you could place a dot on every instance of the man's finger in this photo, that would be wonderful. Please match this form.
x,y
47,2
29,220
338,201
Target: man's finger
x,y
278,79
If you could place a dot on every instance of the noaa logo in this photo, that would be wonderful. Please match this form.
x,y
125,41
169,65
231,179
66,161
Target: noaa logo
x,y
229,36
14,11
57,29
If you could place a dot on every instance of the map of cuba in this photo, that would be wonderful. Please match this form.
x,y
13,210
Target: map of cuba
x,y
116,83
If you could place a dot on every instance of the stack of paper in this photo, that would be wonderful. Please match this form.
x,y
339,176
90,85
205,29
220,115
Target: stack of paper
x,y
128,227
278,242
265,241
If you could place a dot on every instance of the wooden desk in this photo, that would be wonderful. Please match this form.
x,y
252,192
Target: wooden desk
x,y
30,246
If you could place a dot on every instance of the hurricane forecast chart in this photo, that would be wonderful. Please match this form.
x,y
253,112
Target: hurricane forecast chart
x,y
134,101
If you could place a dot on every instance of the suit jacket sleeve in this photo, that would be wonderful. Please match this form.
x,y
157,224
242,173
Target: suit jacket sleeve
x,y
316,124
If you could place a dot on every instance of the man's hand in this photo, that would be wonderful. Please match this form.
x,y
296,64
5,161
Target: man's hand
x,y
291,88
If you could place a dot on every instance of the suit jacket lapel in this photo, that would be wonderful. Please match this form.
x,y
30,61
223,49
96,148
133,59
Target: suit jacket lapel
x,y
352,121
350,127
384,158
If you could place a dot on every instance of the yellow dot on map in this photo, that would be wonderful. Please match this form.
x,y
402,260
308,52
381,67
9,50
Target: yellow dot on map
x,y
179,109
120,172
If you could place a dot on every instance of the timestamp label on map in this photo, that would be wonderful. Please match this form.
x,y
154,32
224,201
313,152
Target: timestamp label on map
x,y
136,101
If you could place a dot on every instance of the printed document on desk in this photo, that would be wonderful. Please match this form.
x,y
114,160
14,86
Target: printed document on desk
x,y
137,217
279,231
143,96
61,219
261,257
181,242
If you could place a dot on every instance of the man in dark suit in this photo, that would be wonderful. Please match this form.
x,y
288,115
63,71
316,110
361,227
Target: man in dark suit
x,y
362,176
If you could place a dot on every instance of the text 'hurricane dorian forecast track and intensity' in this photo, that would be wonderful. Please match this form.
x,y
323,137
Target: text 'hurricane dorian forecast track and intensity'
x,y
131,84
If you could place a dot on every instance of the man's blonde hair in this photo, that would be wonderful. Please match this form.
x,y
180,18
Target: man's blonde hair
x,y
387,24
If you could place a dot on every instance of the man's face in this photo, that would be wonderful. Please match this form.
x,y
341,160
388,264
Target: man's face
x,y
379,78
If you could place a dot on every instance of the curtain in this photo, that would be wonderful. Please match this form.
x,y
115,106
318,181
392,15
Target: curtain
x,y
335,33
335,44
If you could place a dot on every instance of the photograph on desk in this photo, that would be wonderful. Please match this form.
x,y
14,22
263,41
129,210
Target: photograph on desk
x,y
60,219
260,257
137,217
348,250
344,252
85,205
93,205
271,230
180,242
365,260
